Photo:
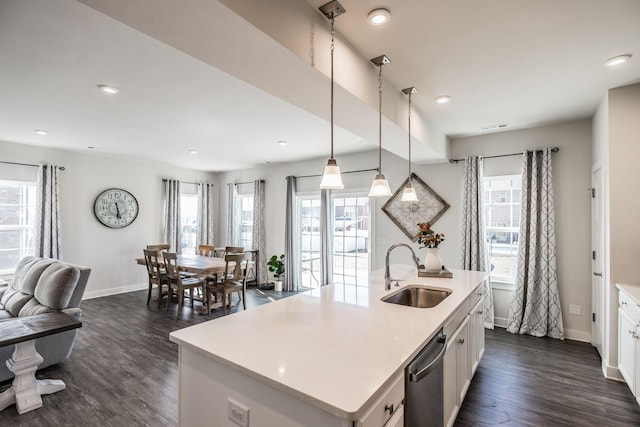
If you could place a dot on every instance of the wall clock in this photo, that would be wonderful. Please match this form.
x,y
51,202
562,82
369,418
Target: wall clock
x,y
115,208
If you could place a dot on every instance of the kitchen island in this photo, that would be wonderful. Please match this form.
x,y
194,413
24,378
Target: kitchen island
x,y
320,358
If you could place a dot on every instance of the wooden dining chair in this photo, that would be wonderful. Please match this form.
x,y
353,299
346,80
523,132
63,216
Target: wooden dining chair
x,y
235,281
206,250
179,283
165,247
157,275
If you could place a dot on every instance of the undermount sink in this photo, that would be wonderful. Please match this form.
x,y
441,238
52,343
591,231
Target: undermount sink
x,y
417,296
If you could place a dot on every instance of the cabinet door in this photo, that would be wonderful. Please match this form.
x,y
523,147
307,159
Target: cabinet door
x,y
627,348
450,380
462,356
398,418
476,336
456,378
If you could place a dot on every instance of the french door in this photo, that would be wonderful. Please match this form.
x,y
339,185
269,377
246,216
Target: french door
x,y
350,238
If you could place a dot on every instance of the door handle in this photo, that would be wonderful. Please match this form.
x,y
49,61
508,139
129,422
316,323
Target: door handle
x,y
417,376
597,274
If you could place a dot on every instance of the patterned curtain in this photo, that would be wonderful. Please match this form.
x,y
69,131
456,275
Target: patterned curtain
x,y
474,240
233,216
205,221
291,264
259,238
326,238
535,309
48,238
172,214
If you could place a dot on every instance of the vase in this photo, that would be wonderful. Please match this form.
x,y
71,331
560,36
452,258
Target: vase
x,y
433,263
278,286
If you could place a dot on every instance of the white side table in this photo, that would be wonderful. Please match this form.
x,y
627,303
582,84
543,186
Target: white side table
x,y
26,391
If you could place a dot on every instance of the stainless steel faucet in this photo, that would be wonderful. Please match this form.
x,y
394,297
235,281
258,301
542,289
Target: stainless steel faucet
x,y
387,275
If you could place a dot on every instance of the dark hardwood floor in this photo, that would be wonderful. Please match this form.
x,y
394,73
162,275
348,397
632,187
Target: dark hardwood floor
x,y
528,381
123,372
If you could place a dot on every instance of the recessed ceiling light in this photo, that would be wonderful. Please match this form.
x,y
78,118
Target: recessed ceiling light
x,y
108,89
193,151
443,99
379,17
282,142
617,60
41,132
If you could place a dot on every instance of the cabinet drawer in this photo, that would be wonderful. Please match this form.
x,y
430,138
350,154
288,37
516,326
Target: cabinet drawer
x,y
381,410
629,306
476,295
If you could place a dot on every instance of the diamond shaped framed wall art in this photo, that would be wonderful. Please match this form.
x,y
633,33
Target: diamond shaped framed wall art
x,y
406,215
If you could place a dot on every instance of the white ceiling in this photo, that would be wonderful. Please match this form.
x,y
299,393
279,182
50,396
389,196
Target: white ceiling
x,y
521,63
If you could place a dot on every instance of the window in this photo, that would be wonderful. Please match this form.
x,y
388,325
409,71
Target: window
x,y
17,217
245,204
188,222
502,222
351,219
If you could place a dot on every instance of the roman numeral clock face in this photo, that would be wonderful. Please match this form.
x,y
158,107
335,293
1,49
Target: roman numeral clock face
x,y
115,208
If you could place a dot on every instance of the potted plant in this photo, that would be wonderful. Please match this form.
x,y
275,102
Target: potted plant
x,y
276,266
431,240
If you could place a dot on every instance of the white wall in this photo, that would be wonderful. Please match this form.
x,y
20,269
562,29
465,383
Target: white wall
x,y
571,179
572,174
617,142
110,253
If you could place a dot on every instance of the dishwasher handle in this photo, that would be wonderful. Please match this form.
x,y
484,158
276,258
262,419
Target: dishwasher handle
x,y
417,376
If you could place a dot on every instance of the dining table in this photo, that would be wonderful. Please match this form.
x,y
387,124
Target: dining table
x,y
198,265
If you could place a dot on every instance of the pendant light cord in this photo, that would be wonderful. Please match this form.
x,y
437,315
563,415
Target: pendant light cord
x,y
409,129
332,44
380,120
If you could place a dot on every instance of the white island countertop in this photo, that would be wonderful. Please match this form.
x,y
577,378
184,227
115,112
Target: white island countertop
x,y
335,347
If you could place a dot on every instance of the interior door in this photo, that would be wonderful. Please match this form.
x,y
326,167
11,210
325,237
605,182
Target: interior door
x,y
597,260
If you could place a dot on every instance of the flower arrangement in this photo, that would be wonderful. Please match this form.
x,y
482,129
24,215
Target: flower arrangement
x,y
427,237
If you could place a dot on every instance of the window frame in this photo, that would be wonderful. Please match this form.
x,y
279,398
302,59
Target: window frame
x,y
27,211
502,282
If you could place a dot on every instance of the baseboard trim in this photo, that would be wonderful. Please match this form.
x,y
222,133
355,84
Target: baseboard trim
x,y
115,291
570,334
611,372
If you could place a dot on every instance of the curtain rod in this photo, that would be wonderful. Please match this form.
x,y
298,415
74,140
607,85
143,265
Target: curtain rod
x,y
356,171
186,182
553,150
27,164
247,182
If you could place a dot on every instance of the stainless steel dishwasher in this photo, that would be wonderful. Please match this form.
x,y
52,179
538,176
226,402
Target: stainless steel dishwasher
x,y
424,405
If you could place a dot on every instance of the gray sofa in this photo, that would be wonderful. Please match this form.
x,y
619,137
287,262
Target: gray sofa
x,y
42,285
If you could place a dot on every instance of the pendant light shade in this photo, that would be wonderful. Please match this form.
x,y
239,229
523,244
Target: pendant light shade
x,y
409,192
331,178
380,185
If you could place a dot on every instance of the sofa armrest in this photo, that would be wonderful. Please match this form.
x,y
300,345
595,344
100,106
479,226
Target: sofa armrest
x,y
76,313
2,289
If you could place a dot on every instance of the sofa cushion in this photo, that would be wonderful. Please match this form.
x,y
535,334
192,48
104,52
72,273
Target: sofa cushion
x,y
28,272
33,308
56,285
13,300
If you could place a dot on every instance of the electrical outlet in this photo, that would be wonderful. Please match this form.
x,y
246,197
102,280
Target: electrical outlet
x,y
575,309
238,413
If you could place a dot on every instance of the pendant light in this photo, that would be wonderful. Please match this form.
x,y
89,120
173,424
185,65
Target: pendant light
x,y
409,193
331,178
380,185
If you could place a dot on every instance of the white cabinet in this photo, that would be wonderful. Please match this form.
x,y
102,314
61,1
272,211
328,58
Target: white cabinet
x,y
398,418
476,336
464,350
387,407
628,340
